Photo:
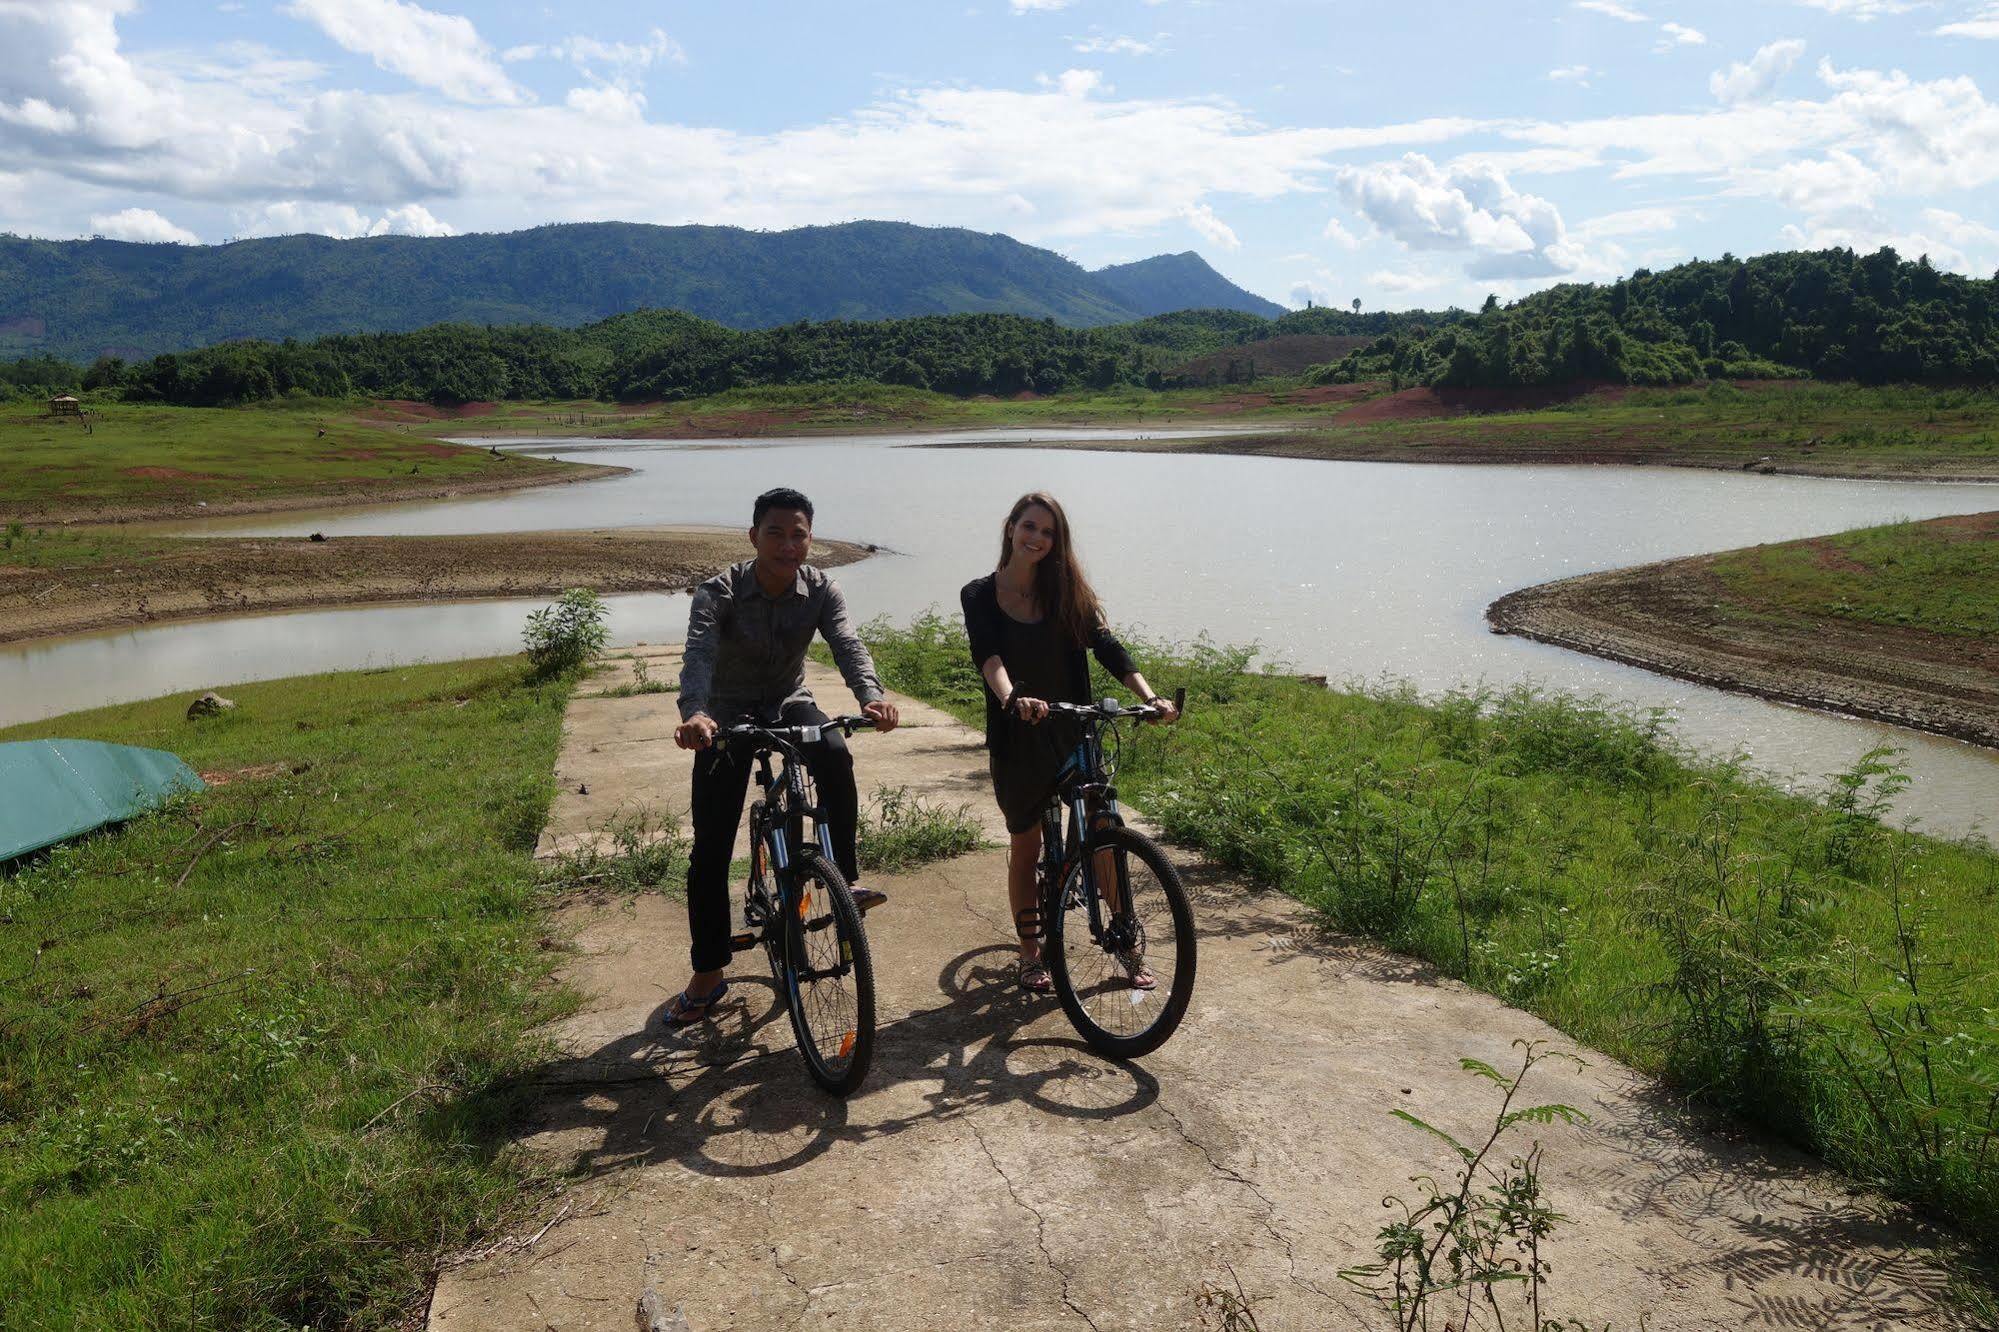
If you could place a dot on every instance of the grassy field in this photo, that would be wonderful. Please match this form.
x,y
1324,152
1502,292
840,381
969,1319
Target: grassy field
x,y
1941,575
1830,429
1833,429
830,407
160,458
1798,963
254,1048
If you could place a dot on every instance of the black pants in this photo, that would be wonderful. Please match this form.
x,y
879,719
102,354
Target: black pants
x,y
721,779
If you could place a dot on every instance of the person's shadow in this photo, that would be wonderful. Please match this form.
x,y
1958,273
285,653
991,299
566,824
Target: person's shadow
x,y
731,1097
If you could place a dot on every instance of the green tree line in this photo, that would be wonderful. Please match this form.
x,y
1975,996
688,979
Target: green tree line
x,y
1830,314
662,355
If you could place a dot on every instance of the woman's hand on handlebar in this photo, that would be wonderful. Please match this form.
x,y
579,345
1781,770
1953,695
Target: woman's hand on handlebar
x,y
1163,710
697,732
1028,709
883,714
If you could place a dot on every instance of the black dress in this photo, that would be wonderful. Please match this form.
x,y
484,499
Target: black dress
x,y
1042,662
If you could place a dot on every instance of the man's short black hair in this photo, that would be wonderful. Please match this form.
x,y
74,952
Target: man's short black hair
x,y
784,497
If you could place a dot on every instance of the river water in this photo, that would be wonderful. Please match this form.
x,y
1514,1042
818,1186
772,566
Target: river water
x,y
1355,570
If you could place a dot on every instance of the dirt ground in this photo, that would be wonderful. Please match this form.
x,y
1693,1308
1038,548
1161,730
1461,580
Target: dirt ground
x,y
204,576
995,1172
322,497
1678,618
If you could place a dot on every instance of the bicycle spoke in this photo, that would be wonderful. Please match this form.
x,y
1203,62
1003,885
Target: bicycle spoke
x,y
1126,969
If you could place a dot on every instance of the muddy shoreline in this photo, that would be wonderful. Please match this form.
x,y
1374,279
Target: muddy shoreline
x,y
331,497
1279,442
1677,618
203,577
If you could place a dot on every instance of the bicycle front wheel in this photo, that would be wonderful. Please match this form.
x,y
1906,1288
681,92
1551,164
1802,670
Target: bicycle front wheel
x,y
1141,931
828,976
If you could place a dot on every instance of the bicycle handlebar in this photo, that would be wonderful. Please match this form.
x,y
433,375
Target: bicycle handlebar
x,y
1109,709
793,735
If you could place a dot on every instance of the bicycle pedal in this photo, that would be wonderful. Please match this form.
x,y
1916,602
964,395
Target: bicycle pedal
x,y
745,939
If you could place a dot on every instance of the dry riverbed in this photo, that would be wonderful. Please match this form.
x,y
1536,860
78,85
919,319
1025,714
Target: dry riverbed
x,y
194,577
1682,618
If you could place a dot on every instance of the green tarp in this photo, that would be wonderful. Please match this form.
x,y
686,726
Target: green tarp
x,y
53,790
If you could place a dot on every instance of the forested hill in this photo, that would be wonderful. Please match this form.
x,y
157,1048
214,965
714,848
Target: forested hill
x,y
1169,282
79,299
1831,314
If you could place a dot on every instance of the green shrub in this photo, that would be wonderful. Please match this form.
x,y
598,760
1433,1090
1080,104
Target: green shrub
x,y
566,636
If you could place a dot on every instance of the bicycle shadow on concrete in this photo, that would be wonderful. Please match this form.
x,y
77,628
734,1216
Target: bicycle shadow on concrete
x,y
730,1098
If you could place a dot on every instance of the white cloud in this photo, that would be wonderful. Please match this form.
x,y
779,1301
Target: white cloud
x,y
1217,232
409,220
65,77
1866,232
1746,81
1579,75
1461,207
1029,6
1100,45
620,62
1627,222
292,217
1405,280
1612,9
1075,82
140,224
1679,34
607,102
1864,10
441,51
1983,24
1338,234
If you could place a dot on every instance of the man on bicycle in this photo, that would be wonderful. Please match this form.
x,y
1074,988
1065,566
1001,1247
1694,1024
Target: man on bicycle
x,y
747,633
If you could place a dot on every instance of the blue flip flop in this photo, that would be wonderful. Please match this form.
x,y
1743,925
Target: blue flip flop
x,y
692,1010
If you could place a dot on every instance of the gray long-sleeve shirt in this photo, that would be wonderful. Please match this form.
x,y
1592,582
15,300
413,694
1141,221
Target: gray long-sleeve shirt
x,y
746,650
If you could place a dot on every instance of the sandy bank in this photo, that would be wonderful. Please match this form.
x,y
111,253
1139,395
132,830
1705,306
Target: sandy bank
x,y
239,575
332,495
1520,447
1679,619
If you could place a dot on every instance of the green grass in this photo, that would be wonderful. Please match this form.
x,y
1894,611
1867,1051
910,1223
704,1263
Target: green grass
x,y
865,405
157,456
1796,962
900,831
253,1048
1941,575
1825,426
25,546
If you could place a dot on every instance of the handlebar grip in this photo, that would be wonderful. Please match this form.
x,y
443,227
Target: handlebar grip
x,y
1180,699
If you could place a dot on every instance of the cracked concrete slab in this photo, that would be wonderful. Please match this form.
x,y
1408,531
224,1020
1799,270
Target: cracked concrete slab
x,y
994,1170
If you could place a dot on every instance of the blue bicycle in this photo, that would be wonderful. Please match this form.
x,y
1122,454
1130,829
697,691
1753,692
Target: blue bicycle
x,y
1119,934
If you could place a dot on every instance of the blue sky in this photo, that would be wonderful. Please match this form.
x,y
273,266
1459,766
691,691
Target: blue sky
x,y
1411,154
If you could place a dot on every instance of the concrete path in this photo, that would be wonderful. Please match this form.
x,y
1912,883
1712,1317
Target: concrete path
x,y
995,1172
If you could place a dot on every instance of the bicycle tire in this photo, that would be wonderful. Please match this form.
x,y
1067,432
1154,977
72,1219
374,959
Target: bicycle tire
x,y
1091,978
827,977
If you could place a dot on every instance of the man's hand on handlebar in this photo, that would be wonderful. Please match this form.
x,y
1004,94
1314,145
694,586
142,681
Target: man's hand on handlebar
x,y
697,732
883,714
1164,710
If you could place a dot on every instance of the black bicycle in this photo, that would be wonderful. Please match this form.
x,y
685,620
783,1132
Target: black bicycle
x,y
1116,928
797,905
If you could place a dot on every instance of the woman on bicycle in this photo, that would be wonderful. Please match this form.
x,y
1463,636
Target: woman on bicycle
x,y
1032,623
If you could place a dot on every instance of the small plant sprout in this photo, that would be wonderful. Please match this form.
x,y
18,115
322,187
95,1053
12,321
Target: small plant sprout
x,y
1470,1247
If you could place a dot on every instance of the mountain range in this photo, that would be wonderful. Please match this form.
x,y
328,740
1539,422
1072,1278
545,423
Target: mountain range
x,y
81,299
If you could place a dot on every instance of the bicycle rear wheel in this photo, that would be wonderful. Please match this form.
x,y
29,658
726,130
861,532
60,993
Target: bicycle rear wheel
x,y
1147,928
828,977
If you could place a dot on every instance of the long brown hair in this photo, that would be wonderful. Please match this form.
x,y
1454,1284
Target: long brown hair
x,y
1059,584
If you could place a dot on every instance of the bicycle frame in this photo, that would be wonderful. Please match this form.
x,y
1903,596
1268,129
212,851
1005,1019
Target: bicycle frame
x,y
1084,791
